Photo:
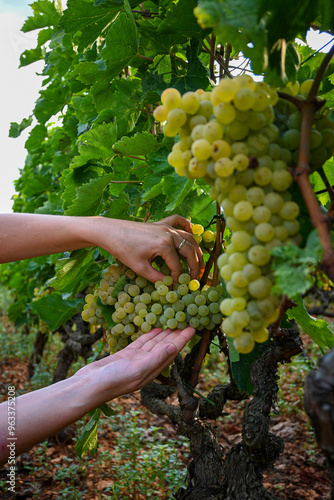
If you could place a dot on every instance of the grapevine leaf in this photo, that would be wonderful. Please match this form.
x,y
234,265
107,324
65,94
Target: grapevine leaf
x,y
141,144
119,286
88,21
293,266
180,19
45,14
96,144
88,437
107,313
16,128
55,310
121,43
317,329
175,188
108,412
30,56
89,197
70,270
241,365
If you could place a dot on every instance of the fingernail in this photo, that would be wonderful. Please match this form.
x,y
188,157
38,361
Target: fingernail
x,y
171,349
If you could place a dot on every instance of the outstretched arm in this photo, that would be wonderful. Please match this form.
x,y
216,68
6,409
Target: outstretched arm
x,y
42,413
136,244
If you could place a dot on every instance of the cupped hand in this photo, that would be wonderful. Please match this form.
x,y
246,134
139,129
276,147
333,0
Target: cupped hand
x,y
137,364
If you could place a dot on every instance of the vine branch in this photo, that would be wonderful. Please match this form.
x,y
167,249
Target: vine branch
x,y
320,221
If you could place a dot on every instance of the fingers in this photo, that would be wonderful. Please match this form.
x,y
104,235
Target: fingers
x,y
178,220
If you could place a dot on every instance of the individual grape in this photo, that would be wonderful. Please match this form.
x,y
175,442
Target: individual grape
x,y
239,279
240,319
259,255
194,285
243,210
224,112
183,289
261,335
177,117
208,236
244,99
237,261
281,180
240,161
203,310
260,288
244,343
190,102
273,201
184,279
291,139
201,149
262,176
241,241
160,113
255,195
171,297
261,214
305,87
289,211
224,167
192,309
169,312
212,131
264,232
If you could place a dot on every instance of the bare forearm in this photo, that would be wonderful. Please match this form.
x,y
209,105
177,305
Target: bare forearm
x,y
42,413
23,236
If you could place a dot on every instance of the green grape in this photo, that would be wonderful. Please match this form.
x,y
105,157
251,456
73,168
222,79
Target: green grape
x,y
190,102
224,112
281,180
237,261
239,279
264,232
260,288
212,131
273,201
192,309
289,211
244,99
240,319
241,241
172,323
224,167
203,310
243,210
261,214
255,195
262,176
180,316
244,343
258,255
169,312
150,318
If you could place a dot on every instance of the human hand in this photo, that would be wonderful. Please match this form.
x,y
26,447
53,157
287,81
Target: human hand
x,y
136,244
136,365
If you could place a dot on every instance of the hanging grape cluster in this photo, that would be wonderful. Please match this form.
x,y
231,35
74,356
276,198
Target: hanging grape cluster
x,y
134,306
228,137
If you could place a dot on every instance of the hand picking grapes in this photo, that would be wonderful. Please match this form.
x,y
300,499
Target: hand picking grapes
x,y
41,413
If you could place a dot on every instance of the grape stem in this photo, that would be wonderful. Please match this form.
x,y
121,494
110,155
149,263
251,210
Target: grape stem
x,y
322,222
206,337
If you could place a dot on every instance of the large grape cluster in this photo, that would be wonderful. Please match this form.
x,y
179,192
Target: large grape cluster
x,y
134,306
227,136
289,120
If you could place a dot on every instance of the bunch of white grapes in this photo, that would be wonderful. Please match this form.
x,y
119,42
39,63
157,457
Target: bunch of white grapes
x,y
289,120
227,136
136,305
